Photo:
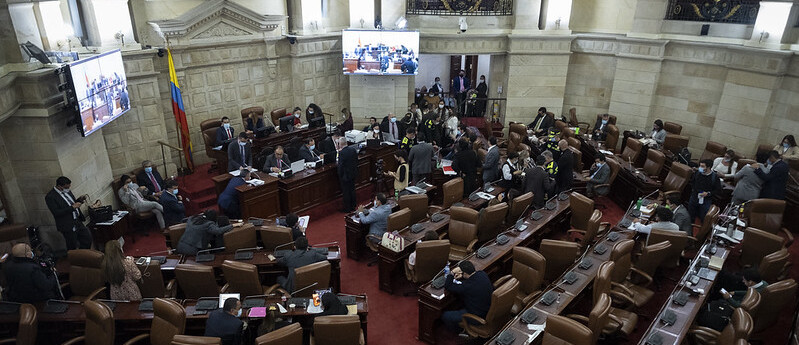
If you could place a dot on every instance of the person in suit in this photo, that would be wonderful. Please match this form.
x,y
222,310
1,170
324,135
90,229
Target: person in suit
x,y
662,220
254,122
565,173
308,151
331,305
225,323
225,133
65,209
775,178
393,127
329,144
460,85
491,164
482,92
372,121
599,174
436,88
705,184
541,123
346,124
680,215
377,217
124,100
291,221
537,181
151,179
132,195
747,185
172,202
601,128
375,133
658,133
347,173
465,164
787,148
298,257
420,158
474,288
240,155
751,279
202,230
277,161
409,140
229,198
28,281
409,66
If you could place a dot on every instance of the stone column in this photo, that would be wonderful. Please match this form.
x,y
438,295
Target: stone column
x,y
649,16
525,15
8,37
105,19
379,95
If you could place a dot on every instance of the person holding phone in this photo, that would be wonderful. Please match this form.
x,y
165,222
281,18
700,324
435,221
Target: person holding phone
x,y
65,208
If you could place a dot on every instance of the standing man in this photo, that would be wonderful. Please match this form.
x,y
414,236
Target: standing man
x,y
491,164
224,134
239,156
151,179
680,214
705,184
409,140
775,179
229,199
565,172
474,290
537,181
437,88
225,323
482,92
420,159
68,217
347,174
460,85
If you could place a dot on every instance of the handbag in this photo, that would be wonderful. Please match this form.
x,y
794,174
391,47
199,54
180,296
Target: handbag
x,y
101,214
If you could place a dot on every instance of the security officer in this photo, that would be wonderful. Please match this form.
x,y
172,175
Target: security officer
x,y
409,140
550,165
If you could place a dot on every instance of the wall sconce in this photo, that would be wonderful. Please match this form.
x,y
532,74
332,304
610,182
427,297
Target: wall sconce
x,y
362,22
557,24
120,36
763,36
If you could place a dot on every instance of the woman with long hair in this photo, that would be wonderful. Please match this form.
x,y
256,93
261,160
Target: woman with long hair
x,y
787,148
331,305
121,273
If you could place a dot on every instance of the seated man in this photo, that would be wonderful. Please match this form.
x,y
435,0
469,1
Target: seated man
x,y
750,279
298,257
372,122
308,151
391,126
277,162
151,179
729,290
239,156
132,195
225,323
291,221
541,123
229,198
28,281
377,217
174,210
601,128
473,288
225,133
660,220
599,174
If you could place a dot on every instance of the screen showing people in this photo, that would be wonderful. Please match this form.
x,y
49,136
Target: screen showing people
x,y
380,52
101,89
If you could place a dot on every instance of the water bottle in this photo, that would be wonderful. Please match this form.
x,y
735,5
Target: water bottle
x,y
446,269
638,204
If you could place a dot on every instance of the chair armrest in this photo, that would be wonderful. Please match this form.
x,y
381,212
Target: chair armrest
x,y
502,280
704,333
475,318
643,275
576,231
578,317
442,236
276,288
531,297
617,321
603,228
224,288
433,209
75,340
136,339
616,295
789,237
171,290
94,293
9,341
470,247
602,185
671,192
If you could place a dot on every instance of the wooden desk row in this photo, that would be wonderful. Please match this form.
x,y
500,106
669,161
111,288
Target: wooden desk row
x,y
284,138
432,301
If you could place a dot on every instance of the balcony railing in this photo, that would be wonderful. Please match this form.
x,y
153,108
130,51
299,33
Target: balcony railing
x,y
460,7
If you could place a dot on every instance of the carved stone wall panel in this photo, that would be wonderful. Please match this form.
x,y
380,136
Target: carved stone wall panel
x,y
540,44
430,44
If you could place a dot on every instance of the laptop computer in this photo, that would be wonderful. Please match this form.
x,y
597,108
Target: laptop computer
x,y
373,143
297,166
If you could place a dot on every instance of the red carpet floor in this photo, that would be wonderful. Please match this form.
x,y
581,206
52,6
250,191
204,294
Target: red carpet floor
x,y
393,319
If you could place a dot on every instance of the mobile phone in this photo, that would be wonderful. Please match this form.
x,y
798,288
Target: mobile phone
x,y
723,291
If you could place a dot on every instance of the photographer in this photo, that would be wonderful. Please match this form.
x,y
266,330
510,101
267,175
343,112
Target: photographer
x,y
28,280
68,217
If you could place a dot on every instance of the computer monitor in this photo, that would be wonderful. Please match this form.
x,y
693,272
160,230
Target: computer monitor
x,y
318,121
287,123
297,166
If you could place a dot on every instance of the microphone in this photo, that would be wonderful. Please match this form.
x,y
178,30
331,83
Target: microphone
x,y
283,245
205,255
346,294
651,194
325,244
168,252
209,250
63,301
113,300
248,249
260,296
305,288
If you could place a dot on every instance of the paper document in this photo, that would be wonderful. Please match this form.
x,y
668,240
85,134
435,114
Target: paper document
x,y
314,309
485,195
237,172
387,143
256,182
438,297
303,222
740,223
605,152
352,309
257,312
281,308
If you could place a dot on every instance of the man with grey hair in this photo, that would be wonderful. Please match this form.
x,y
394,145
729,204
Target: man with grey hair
x,y
150,178
347,160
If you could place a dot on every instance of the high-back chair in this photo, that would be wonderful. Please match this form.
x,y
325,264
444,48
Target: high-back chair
x,y
577,157
490,222
417,204
774,299
152,285
774,266
621,255
528,268
740,327
85,274
288,335
637,295
713,150
766,215
175,232
654,163
574,142
245,113
196,281
588,235
318,273
706,227
631,150
28,326
560,255
751,301
598,318
679,241
652,257
612,138
621,320
431,257
517,205
169,320
453,192
100,328
574,122
582,209
276,114
674,143
240,238
756,244
672,127
242,278
561,330
336,330
398,220
274,235
502,300
678,177
462,232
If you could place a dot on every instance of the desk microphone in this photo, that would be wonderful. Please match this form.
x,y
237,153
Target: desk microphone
x,y
247,249
64,301
168,252
256,175
650,194
346,294
113,300
305,288
205,255
325,244
245,253
260,296
283,245
209,250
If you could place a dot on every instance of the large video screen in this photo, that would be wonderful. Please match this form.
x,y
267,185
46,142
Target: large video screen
x,y
371,52
101,89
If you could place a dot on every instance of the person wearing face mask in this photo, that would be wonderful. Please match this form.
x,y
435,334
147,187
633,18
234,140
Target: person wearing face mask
x,y
430,127
296,258
601,128
239,155
394,128
132,195
420,157
787,148
308,151
28,281
372,121
375,133
598,175
430,98
658,133
174,210
409,140
313,111
65,209
202,230
225,133
150,178
225,323
680,214
297,112
482,92
121,273
541,123
376,218
437,88
705,184
774,178
725,165
346,124
460,85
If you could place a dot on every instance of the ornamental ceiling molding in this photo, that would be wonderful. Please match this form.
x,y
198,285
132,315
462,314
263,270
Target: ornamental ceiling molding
x,y
218,18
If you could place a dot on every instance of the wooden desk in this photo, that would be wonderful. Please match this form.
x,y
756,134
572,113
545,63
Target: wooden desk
x,y
262,201
356,232
392,263
284,138
111,230
631,184
432,301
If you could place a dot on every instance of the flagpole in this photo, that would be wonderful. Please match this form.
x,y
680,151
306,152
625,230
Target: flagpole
x,y
178,127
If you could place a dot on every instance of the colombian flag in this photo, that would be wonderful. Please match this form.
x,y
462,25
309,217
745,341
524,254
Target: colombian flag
x,y
180,113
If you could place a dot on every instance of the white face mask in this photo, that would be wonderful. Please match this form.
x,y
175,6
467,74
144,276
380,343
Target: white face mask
x,y
297,115
375,203
440,106
310,112
377,130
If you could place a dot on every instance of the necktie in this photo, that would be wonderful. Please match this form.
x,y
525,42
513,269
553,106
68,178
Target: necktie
x,y
243,157
461,84
538,123
154,182
229,135
393,128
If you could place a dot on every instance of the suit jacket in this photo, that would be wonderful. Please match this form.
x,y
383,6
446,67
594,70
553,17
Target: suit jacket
x,y
144,180
475,292
305,153
683,220
197,236
271,161
223,325
298,258
234,159
377,219
537,180
62,211
222,137
456,84
250,126
174,210
327,145
420,158
747,184
348,164
128,196
230,195
546,122
565,171
28,282
400,130
491,165
774,181
601,177
603,133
